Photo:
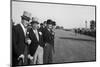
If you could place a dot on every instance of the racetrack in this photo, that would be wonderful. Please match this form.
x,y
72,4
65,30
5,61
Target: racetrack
x,y
71,47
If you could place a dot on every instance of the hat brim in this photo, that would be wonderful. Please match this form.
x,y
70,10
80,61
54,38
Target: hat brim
x,y
25,18
33,22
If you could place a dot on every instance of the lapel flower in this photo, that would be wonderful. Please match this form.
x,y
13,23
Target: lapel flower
x,y
40,33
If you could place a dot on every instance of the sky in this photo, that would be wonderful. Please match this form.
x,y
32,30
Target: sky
x,y
68,16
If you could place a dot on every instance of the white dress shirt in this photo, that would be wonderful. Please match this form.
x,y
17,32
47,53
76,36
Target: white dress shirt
x,y
36,33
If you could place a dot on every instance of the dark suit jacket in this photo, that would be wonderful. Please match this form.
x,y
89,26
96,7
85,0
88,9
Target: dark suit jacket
x,y
41,29
34,42
48,37
18,42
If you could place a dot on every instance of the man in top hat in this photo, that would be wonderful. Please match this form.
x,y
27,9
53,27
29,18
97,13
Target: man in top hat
x,y
36,47
48,40
19,40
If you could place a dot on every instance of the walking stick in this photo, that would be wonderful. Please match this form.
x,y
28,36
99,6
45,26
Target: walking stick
x,y
25,61
26,49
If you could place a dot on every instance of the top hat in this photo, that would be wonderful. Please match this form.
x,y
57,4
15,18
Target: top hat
x,y
26,15
49,21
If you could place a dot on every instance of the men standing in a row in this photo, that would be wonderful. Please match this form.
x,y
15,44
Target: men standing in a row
x,y
19,45
48,37
36,47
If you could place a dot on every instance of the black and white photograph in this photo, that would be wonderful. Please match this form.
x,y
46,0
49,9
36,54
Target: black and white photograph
x,y
45,33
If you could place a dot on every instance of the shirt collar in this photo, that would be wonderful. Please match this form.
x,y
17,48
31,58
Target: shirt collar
x,y
35,30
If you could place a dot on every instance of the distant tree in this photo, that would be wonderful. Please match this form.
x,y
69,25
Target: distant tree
x,y
92,24
61,27
57,27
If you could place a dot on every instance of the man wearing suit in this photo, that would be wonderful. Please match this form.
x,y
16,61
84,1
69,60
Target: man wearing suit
x,y
36,47
49,42
18,40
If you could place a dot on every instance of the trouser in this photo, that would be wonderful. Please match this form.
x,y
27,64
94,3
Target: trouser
x,y
48,50
38,56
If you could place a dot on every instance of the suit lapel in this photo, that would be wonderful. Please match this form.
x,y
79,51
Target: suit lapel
x,y
35,35
21,30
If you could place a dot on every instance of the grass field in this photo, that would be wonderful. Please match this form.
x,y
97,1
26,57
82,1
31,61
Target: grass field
x,y
71,47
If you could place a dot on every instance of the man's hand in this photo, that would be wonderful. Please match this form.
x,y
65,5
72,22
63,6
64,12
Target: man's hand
x,y
21,57
30,57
